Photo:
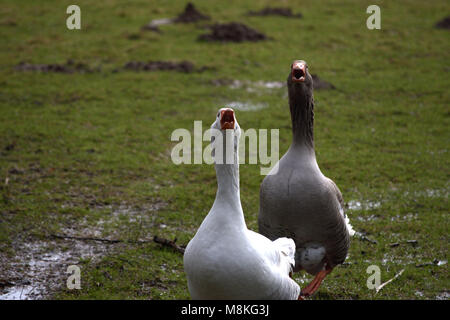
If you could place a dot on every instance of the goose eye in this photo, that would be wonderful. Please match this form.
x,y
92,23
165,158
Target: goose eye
x,y
218,113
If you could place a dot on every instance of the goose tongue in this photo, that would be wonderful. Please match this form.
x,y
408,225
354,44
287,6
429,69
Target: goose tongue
x,y
227,119
298,71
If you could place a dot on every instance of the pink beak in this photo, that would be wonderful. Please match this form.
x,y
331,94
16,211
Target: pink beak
x,y
227,119
298,71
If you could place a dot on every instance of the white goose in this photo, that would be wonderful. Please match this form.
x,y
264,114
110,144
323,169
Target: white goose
x,y
225,260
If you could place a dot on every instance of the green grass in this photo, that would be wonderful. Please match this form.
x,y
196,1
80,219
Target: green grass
x,y
76,146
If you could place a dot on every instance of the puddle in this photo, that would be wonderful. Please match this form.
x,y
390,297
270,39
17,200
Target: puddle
x,y
428,193
39,267
246,106
256,86
304,278
249,85
390,259
363,205
366,218
160,22
411,259
406,217
441,262
17,293
443,296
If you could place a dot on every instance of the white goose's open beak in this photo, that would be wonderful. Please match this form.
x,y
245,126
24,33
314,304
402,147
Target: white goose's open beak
x,y
227,119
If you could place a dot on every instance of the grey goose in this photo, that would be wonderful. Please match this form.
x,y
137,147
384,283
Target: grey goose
x,y
297,201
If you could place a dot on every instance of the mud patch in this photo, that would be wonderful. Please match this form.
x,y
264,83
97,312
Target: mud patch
x,y
69,67
183,66
443,24
284,12
150,27
232,32
190,14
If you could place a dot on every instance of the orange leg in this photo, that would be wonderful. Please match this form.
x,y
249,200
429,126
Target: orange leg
x,y
314,285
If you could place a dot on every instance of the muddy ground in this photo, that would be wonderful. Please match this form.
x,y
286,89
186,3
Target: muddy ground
x,y
232,32
73,67
69,67
284,12
191,14
443,24
183,66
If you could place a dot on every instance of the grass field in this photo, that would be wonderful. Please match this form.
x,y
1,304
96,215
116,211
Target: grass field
x,y
88,154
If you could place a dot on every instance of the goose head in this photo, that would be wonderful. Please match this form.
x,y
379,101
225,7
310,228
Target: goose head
x,y
226,120
299,79
301,103
226,131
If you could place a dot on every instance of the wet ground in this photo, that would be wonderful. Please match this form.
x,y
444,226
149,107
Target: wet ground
x,y
255,86
39,266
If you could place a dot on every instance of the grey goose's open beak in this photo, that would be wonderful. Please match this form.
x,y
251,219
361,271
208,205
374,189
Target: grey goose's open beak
x,y
298,71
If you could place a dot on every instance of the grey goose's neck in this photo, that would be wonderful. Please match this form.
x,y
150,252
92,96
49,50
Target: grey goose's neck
x,y
302,116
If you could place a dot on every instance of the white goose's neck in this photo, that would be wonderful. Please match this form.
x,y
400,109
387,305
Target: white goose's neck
x,y
228,182
227,205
